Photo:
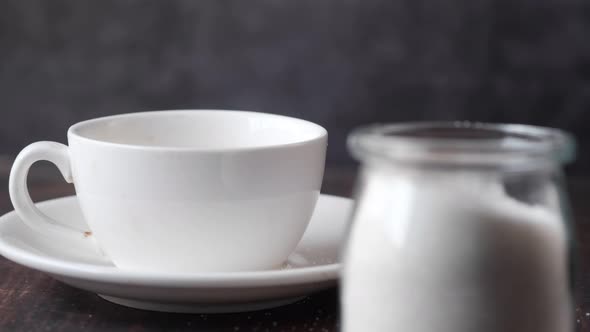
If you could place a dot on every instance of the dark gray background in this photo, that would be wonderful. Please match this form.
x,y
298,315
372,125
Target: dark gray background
x,y
340,63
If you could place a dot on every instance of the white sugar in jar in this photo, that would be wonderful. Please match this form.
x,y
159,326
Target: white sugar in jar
x,y
459,228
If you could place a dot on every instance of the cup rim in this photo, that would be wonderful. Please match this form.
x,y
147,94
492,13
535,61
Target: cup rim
x,y
74,131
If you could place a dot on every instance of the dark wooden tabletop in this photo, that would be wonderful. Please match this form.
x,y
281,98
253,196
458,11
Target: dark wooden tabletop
x,y
32,301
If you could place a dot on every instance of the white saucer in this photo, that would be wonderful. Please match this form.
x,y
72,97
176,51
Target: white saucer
x,y
313,266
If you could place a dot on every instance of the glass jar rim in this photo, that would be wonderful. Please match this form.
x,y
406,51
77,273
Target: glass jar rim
x,y
469,143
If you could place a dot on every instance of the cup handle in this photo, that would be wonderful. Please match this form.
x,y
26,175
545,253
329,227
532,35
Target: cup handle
x,y
57,154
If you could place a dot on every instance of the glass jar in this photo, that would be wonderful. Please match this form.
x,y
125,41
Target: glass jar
x,y
459,227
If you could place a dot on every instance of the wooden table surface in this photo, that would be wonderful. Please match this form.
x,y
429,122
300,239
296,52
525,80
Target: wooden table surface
x,y
32,301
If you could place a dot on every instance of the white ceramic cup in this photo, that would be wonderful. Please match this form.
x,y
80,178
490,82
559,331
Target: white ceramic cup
x,y
185,191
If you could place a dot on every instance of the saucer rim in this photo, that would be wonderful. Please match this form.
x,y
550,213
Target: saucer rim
x,y
111,274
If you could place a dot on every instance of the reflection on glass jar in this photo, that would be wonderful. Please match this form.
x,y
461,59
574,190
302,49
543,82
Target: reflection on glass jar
x,y
459,227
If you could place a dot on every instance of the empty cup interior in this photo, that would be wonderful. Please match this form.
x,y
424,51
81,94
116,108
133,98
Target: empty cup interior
x,y
199,129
